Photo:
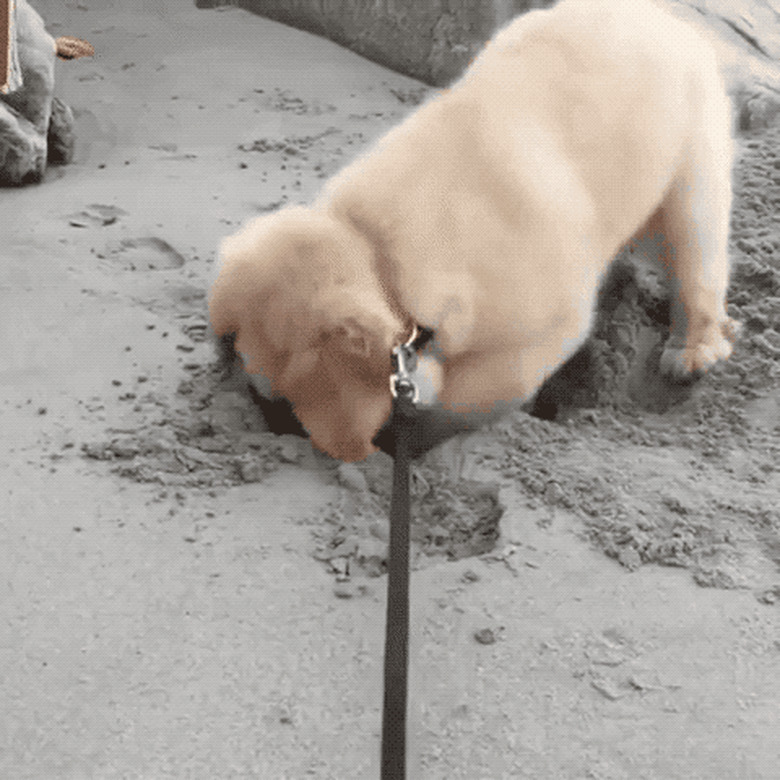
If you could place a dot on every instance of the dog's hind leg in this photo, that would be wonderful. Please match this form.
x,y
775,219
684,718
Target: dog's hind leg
x,y
694,220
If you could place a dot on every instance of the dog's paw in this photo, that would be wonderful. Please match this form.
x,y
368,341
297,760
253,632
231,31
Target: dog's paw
x,y
731,329
686,363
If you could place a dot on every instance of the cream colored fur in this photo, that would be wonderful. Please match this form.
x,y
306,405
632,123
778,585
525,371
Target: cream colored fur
x,y
490,216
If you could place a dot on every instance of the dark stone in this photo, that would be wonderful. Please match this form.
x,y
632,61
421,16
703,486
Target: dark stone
x,y
60,138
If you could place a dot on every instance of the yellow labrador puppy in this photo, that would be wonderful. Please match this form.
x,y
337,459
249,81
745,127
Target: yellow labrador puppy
x,y
490,216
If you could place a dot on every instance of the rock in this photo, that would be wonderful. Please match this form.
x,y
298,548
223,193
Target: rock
x,y
630,558
439,535
486,636
124,449
553,493
60,138
372,556
769,596
340,567
26,110
97,450
352,478
290,448
250,471
343,590
380,530
22,149
348,589
450,48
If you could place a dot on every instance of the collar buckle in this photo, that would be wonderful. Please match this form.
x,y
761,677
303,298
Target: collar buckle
x,y
404,362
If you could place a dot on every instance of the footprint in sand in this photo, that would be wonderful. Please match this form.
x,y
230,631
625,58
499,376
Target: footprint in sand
x,y
95,215
147,253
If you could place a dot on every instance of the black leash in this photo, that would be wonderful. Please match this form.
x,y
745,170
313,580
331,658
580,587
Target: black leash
x,y
397,624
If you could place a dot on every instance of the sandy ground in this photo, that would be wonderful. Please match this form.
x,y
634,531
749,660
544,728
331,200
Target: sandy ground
x,y
188,596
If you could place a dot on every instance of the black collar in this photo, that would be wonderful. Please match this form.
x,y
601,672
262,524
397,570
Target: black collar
x,y
424,335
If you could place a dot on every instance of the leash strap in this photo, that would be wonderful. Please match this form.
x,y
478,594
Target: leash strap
x,y
397,623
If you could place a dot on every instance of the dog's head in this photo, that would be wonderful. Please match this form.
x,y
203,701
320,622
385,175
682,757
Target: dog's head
x,y
299,290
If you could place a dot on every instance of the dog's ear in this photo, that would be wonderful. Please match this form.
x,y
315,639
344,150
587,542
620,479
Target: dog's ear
x,y
354,340
358,339
269,275
339,386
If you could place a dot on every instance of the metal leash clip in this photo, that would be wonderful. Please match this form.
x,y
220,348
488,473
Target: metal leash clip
x,y
404,361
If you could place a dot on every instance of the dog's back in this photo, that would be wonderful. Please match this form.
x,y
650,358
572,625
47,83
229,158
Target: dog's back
x,y
621,88
499,204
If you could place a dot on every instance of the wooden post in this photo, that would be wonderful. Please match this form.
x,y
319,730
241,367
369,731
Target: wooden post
x,y
5,44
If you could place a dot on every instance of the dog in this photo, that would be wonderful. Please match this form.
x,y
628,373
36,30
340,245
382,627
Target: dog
x,y
489,217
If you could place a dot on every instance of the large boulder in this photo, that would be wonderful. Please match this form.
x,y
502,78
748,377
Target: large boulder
x,y
26,109
434,40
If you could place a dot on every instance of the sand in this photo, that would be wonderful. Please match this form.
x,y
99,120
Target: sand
x,y
188,595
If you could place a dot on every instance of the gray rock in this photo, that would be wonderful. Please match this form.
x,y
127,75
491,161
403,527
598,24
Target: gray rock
x,y
60,137
351,477
26,110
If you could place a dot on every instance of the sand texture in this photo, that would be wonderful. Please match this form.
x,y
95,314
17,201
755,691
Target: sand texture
x,y
186,595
